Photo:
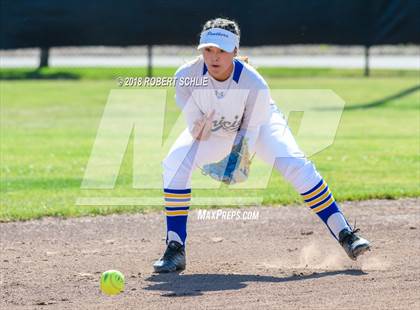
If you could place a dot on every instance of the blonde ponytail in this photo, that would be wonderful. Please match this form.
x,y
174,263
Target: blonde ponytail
x,y
243,58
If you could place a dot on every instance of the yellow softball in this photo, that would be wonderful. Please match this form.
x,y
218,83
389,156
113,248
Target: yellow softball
x,y
112,282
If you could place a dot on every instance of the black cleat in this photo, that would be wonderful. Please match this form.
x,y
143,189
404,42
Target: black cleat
x,y
352,243
172,260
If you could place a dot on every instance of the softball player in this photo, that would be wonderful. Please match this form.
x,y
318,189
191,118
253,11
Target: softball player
x,y
235,103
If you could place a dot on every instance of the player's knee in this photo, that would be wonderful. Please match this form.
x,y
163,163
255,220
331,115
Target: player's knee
x,y
292,167
166,166
175,175
300,172
173,165
177,166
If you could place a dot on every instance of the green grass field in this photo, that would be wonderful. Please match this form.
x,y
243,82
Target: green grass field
x,y
49,121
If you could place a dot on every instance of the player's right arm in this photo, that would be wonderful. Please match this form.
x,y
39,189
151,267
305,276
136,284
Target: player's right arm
x,y
199,124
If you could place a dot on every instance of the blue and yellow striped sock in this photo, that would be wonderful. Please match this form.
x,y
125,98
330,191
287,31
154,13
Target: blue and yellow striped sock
x,y
322,202
177,204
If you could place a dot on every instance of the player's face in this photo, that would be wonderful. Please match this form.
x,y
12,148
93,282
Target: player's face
x,y
218,62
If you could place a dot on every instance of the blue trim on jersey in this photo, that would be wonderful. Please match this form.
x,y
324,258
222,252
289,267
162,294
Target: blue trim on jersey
x,y
318,195
238,70
204,69
313,188
177,191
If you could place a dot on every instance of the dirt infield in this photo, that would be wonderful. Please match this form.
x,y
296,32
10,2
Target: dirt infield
x,y
284,259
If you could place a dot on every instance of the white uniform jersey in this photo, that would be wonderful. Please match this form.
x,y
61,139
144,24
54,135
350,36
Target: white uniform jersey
x,y
240,102
244,95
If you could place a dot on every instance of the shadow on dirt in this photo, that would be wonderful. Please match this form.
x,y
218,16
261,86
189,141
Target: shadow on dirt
x,y
173,284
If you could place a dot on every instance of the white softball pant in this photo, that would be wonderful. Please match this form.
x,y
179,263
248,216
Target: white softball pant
x,y
275,146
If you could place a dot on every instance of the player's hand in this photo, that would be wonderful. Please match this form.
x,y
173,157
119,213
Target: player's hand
x,y
202,127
